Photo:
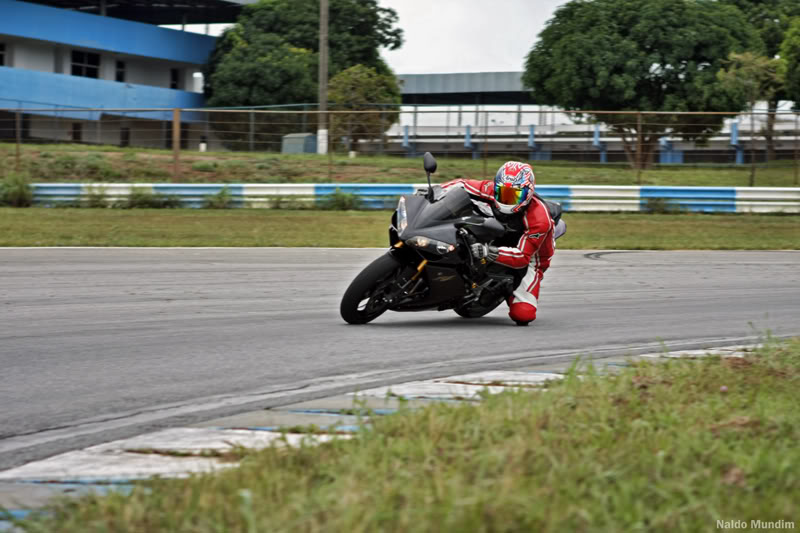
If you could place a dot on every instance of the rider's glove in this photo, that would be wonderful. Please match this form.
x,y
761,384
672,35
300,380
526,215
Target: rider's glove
x,y
483,252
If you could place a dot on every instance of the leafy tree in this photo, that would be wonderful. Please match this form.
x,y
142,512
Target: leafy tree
x,y
640,55
754,78
270,57
262,70
361,88
790,54
357,29
772,19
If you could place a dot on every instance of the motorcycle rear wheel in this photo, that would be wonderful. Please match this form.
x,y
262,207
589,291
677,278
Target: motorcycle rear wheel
x,y
363,300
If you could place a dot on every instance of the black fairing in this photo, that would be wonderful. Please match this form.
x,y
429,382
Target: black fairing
x,y
484,229
436,220
445,286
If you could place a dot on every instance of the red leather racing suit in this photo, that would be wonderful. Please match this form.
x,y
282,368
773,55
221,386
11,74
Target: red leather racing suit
x,y
533,250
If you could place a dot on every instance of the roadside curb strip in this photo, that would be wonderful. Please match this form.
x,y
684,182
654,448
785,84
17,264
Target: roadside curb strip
x,y
176,452
181,452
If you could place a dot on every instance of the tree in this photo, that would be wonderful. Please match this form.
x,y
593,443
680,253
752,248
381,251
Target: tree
x,y
790,54
772,19
361,88
755,78
640,55
262,70
358,28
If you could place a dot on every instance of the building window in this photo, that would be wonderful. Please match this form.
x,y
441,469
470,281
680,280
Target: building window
x,y
124,137
85,64
174,78
2,54
120,72
77,132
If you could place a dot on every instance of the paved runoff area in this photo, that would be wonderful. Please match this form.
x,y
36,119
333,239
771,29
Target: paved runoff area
x,y
202,448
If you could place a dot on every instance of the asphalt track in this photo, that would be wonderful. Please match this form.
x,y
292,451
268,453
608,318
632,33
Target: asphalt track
x,y
98,344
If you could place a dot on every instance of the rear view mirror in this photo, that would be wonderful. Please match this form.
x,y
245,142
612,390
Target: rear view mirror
x,y
429,162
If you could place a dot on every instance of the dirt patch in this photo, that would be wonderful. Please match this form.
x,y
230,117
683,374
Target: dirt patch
x,y
736,423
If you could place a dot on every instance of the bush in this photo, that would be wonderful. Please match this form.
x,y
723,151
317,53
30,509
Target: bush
x,y
96,197
662,206
289,203
221,200
95,166
204,166
145,198
233,165
340,201
16,191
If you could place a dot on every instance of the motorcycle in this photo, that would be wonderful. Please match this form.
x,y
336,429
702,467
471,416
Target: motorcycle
x,y
429,264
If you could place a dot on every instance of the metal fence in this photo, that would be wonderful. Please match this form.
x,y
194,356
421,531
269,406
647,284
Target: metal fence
x,y
638,140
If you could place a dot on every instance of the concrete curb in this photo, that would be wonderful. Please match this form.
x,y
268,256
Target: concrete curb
x,y
206,447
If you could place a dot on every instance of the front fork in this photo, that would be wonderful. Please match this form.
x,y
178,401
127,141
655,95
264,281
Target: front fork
x,y
408,287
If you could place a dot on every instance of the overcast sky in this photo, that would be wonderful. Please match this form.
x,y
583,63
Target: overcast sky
x,y
459,35
466,35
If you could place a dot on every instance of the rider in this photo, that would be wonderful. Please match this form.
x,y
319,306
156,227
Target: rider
x,y
527,218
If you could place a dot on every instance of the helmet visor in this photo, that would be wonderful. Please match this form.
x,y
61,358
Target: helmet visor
x,y
510,195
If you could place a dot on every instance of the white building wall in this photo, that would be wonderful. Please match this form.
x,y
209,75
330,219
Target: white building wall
x,y
33,55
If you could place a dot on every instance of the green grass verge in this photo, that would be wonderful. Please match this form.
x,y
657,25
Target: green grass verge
x,y
277,227
672,446
83,163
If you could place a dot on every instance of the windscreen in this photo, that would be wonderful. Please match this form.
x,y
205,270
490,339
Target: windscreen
x,y
456,203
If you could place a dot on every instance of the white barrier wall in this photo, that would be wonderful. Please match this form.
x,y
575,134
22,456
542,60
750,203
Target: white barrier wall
x,y
572,198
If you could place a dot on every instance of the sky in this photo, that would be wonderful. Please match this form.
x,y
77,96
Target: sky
x,y
466,35
459,35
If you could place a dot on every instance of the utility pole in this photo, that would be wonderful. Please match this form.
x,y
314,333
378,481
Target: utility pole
x,y
322,128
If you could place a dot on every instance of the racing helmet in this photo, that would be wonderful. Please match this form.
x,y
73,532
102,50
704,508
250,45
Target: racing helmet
x,y
513,187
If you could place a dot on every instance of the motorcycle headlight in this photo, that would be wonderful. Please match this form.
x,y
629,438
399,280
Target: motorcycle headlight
x,y
402,215
431,244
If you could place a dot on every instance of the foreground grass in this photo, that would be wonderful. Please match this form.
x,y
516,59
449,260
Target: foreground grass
x,y
671,446
82,163
265,227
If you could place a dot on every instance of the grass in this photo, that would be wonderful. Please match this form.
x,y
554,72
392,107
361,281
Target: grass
x,y
673,446
83,163
282,227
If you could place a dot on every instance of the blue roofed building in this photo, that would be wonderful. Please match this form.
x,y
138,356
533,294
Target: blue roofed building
x,y
60,57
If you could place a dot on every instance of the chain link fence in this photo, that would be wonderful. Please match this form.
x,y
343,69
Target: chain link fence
x,y
636,140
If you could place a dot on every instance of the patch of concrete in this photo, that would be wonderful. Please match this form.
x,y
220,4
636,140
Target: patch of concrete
x,y
502,378
727,351
270,417
431,390
176,452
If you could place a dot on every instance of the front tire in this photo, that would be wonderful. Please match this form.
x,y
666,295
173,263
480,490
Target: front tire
x,y
363,300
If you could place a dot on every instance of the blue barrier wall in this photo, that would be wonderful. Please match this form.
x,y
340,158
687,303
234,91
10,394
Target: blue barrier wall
x,y
84,30
701,199
371,195
378,196
31,89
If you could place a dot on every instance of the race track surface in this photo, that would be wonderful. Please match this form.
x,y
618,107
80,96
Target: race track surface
x,y
97,344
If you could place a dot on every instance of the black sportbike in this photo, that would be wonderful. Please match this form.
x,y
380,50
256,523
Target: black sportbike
x,y
429,264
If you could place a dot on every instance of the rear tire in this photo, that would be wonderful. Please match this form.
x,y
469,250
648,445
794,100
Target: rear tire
x,y
362,301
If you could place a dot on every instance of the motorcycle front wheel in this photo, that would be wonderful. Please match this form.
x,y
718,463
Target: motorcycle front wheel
x,y
364,300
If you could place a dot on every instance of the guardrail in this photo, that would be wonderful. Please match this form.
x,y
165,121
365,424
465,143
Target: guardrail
x,y
374,196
